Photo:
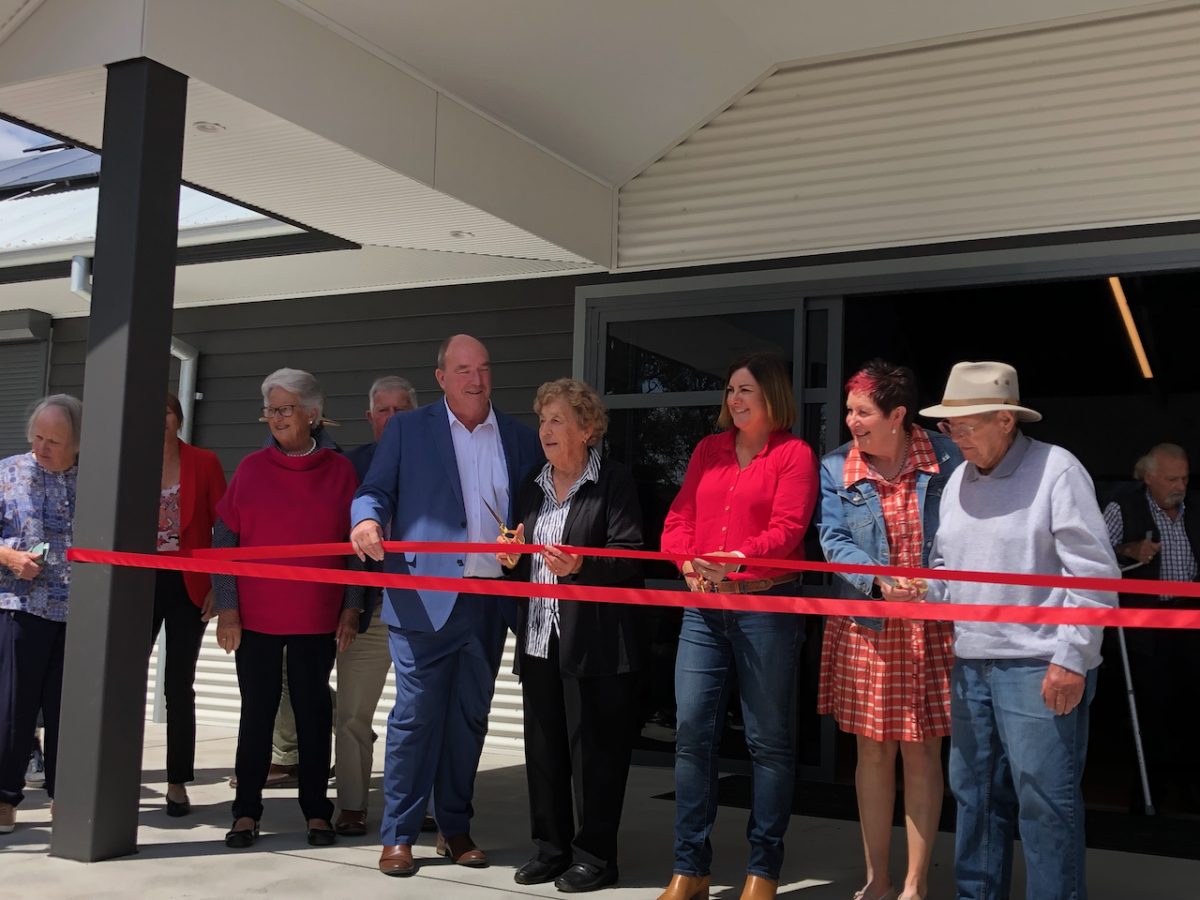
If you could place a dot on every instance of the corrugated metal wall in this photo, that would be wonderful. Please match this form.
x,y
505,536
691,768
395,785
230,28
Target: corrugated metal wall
x,y
1083,125
347,341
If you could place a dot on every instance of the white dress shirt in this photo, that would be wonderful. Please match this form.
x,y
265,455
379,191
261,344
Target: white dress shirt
x,y
483,475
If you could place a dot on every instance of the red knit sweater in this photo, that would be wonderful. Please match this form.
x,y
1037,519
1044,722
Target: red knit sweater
x,y
278,499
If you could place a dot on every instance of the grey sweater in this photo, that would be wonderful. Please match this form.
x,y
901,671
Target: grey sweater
x,y
1035,513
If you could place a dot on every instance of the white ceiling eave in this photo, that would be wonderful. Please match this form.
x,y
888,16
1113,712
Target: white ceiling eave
x,y
280,61
338,272
1067,127
320,132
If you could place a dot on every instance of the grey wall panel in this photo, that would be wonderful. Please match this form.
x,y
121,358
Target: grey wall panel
x,y
22,381
347,341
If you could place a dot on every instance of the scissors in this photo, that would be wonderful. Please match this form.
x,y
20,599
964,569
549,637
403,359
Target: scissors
x,y
504,529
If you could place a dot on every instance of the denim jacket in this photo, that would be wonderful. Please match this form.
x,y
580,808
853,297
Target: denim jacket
x,y
851,524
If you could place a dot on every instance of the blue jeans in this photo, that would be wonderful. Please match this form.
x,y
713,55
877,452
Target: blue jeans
x,y
1013,761
761,648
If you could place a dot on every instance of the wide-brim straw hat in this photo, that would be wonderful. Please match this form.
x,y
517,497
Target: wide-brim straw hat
x,y
981,387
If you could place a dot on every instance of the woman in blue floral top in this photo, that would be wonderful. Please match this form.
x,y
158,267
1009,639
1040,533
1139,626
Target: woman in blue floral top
x,y
37,510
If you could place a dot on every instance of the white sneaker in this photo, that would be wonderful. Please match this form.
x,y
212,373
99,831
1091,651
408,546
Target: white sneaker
x,y
8,818
35,774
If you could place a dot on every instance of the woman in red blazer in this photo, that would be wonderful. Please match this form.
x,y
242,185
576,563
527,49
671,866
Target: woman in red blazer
x,y
192,483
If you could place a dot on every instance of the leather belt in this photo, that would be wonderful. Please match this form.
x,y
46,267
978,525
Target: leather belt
x,y
746,585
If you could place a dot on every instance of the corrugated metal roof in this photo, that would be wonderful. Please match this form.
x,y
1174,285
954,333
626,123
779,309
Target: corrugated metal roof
x,y
44,221
47,167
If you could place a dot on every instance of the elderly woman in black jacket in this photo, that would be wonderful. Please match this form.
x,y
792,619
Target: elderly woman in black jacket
x,y
577,660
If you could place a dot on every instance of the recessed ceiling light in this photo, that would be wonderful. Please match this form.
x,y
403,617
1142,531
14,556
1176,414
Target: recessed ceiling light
x,y
208,127
462,234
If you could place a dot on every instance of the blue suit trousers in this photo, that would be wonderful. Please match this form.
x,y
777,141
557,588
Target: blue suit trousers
x,y
444,685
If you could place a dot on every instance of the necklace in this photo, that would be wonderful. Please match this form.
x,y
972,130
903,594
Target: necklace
x,y
901,464
310,450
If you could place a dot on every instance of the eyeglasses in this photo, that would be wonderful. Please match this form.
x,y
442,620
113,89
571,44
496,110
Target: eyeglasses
x,y
270,412
956,431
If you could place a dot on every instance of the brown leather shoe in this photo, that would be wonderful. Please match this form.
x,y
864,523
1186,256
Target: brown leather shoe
x,y
759,888
686,887
461,850
351,822
397,860
8,817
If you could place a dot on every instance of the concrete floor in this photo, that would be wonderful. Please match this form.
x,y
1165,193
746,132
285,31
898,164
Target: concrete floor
x,y
185,858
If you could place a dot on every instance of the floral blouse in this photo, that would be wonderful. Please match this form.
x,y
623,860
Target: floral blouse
x,y
168,518
36,506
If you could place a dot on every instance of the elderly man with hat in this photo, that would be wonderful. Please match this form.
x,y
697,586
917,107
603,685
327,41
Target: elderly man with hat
x,y
1019,693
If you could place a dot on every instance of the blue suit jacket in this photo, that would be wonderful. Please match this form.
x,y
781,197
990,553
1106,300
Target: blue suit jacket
x,y
413,483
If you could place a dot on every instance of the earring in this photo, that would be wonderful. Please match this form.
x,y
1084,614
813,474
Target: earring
x,y
893,431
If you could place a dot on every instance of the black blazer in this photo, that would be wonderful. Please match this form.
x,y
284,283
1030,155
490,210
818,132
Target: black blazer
x,y
594,638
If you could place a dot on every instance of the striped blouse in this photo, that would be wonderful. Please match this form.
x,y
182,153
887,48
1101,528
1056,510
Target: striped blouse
x,y
551,520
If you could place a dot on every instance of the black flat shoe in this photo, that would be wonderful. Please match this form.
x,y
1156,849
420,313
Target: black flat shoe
x,y
321,837
585,877
242,838
538,871
177,809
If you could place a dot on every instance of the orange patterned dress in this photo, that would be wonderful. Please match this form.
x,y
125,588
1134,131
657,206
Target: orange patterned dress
x,y
890,685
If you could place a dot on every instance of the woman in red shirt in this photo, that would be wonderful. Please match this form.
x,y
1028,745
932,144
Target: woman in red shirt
x,y
749,492
192,485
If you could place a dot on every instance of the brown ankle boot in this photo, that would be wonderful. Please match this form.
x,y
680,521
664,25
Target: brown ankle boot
x,y
759,888
686,887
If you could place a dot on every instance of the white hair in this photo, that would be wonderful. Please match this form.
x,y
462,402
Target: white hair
x,y
1148,464
70,407
298,382
392,383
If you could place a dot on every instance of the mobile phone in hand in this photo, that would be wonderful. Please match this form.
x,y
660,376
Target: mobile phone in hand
x,y
41,550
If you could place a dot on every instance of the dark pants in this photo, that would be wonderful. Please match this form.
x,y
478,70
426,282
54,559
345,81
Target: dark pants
x,y
260,678
1165,665
185,632
578,740
31,674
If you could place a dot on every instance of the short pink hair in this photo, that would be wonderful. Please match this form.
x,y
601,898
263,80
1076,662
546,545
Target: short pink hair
x,y
862,383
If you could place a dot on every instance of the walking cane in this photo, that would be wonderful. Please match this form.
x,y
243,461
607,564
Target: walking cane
x,y
1137,731
1133,714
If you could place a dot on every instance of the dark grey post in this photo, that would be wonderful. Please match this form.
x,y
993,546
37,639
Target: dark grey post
x,y
124,392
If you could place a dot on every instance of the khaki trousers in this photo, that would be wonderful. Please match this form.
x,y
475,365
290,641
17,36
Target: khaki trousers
x,y
361,672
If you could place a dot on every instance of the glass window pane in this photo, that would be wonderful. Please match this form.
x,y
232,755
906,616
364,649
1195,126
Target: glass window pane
x,y
816,349
656,445
688,354
815,428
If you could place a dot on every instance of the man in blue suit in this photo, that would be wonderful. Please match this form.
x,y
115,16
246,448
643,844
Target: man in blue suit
x,y
434,470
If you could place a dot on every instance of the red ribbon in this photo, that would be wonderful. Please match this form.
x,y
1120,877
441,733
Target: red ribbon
x,y
231,562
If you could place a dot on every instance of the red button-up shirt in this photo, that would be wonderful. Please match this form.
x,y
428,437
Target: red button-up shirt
x,y
762,510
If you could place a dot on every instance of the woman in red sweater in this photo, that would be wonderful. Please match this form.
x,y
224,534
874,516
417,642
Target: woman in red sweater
x,y
192,484
749,492
294,491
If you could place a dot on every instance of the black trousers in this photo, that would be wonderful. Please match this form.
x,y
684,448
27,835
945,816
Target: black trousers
x,y
578,740
1165,665
185,632
31,675
260,678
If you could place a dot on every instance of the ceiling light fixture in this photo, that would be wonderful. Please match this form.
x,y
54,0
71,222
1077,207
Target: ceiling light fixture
x,y
462,234
1131,329
208,127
